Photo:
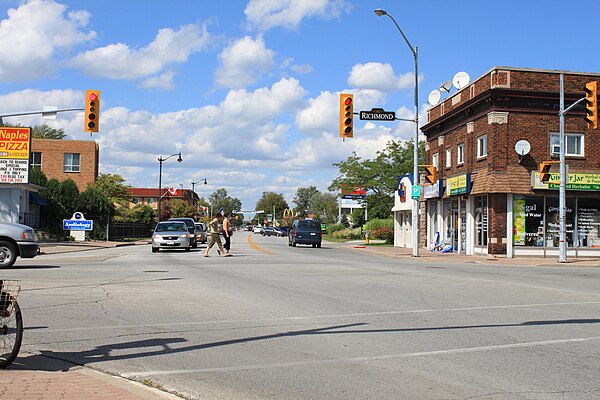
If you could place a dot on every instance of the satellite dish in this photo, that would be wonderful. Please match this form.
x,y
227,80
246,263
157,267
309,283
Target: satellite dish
x,y
522,147
446,86
434,97
460,80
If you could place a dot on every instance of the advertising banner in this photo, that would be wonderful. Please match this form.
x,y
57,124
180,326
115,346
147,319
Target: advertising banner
x,y
576,181
15,145
460,184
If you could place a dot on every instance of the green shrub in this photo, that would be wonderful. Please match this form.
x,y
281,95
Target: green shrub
x,y
383,233
347,234
335,228
375,224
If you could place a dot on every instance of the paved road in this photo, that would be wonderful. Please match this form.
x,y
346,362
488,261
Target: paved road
x,y
300,323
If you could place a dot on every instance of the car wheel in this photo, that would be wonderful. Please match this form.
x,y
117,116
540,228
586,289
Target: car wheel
x,y
195,245
188,248
314,245
8,254
318,245
154,249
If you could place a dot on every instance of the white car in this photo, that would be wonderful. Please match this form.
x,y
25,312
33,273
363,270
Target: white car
x,y
258,229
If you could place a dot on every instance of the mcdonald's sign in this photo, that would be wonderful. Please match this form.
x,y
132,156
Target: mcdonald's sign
x,y
288,213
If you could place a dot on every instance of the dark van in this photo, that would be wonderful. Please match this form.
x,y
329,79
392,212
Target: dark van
x,y
305,231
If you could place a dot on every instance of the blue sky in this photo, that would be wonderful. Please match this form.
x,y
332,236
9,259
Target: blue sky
x,y
248,90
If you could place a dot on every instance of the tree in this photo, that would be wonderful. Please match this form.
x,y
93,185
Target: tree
x,y
220,199
97,207
178,208
378,177
38,177
302,198
326,205
46,132
68,195
113,187
270,201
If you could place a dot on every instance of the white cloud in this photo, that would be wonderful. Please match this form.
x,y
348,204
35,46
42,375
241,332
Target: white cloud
x,y
302,68
266,14
374,75
321,115
163,81
34,33
243,62
119,61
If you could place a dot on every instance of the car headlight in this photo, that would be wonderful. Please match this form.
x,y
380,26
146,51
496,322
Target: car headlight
x,y
28,235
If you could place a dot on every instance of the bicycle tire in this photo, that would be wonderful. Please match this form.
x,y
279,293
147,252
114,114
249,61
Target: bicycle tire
x,y
11,336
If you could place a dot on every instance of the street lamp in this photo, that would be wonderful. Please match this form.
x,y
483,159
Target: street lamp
x,y
160,160
194,184
415,211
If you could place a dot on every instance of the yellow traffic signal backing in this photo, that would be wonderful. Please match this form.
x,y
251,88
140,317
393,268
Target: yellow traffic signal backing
x,y
92,111
346,115
430,173
591,104
545,171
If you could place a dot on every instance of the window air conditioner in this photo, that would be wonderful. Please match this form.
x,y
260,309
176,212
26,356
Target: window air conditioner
x,y
556,148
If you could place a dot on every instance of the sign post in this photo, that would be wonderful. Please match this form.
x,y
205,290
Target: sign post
x,y
78,225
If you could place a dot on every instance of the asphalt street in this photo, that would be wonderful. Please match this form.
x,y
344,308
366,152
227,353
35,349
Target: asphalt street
x,y
279,322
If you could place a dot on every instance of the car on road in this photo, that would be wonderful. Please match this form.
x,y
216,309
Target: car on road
x,y
191,224
201,236
282,230
258,229
16,240
172,235
269,231
305,231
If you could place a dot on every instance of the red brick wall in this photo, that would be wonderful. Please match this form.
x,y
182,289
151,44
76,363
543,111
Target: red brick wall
x,y
53,151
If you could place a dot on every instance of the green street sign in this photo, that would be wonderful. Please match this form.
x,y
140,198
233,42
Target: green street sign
x,y
416,192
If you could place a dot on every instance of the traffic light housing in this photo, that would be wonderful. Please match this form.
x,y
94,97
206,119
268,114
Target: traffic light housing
x,y
346,115
430,174
545,172
92,111
591,104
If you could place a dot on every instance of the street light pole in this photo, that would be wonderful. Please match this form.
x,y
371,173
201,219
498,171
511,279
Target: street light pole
x,y
415,210
160,160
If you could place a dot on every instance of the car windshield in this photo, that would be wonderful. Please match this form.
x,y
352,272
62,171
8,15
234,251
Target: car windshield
x,y
171,227
309,225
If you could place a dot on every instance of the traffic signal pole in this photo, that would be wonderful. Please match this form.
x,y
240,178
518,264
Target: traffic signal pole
x,y
562,197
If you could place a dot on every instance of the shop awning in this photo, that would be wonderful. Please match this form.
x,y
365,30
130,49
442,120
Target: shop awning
x,y
34,197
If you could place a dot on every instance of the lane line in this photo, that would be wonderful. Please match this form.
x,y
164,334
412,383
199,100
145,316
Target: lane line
x,y
257,247
365,359
326,316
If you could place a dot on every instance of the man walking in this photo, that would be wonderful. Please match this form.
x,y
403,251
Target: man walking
x,y
227,232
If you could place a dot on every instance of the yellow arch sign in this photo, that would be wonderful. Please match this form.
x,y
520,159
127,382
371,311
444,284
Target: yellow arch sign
x,y
288,213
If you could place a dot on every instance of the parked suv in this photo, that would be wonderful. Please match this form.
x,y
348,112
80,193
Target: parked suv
x,y
305,231
191,224
16,240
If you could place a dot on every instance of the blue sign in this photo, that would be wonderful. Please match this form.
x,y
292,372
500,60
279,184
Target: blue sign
x,y
78,225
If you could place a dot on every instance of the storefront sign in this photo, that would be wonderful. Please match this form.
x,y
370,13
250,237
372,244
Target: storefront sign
x,y
432,191
576,181
460,184
15,144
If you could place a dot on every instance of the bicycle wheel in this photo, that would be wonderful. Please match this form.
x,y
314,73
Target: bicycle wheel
x,y
11,334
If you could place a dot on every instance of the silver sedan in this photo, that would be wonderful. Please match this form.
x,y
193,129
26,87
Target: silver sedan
x,y
171,235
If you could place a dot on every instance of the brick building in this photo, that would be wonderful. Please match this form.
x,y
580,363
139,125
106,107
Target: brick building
x,y
67,159
149,196
488,198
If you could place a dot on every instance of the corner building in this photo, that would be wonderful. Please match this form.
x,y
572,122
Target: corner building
x,y
492,201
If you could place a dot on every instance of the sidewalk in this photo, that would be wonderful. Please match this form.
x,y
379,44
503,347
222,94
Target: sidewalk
x,y
35,377
429,256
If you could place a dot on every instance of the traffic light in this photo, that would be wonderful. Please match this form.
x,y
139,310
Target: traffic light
x,y
346,115
92,111
545,171
430,173
591,104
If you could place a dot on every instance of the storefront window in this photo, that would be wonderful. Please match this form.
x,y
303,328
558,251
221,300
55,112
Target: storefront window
x,y
481,221
528,218
588,223
553,224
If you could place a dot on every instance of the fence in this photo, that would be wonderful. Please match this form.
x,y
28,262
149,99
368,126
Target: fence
x,y
129,230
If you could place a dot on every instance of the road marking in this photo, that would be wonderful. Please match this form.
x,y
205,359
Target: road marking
x,y
326,316
257,247
366,359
